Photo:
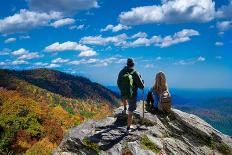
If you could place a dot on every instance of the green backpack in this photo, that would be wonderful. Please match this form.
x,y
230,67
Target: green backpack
x,y
126,85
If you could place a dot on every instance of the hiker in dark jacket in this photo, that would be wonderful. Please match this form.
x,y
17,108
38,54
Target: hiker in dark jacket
x,y
137,83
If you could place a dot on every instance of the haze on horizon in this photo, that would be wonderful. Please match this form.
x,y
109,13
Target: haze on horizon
x,y
189,40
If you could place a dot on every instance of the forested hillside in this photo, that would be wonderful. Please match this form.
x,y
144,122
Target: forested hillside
x,y
38,106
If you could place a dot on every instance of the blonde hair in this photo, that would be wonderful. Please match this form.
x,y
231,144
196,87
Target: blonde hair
x,y
160,83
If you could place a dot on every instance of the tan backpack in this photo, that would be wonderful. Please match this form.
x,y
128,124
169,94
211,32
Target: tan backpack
x,y
165,102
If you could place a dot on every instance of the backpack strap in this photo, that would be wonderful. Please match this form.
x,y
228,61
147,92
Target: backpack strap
x,y
131,73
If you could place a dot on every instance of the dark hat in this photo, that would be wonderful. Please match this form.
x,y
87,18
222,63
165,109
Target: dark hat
x,y
130,62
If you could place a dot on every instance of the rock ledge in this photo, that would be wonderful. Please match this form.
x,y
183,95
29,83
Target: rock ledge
x,y
179,133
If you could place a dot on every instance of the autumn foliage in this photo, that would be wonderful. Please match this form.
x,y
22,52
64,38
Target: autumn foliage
x,y
34,120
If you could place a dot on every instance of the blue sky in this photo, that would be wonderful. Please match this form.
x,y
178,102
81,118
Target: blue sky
x,y
190,40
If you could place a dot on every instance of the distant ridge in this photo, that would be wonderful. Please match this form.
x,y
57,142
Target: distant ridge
x,y
61,83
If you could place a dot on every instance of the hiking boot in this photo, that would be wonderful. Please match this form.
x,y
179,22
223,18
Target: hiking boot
x,y
130,129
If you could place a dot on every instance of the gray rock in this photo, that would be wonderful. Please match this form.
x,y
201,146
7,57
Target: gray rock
x,y
179,133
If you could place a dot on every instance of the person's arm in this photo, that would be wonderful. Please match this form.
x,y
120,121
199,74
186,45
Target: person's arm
x,y
118,80
138,80
156,98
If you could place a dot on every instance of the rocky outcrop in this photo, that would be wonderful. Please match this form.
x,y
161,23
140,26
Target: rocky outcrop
x,y
175,134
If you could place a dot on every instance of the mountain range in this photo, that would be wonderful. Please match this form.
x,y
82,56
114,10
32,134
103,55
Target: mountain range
x,y
38,106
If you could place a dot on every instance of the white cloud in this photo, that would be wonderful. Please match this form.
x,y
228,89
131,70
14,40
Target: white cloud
x,y
219,43
56,47
115,28
71,46
99,62
139,35
107,61
140,42
179,37
25,54
201,59
225,11
83,61
87,53
60,60
5,51
10,40
26,20
64,6
40,64
124,41
63,22
19,62
99,40
190,61
52,66
224,25
20,51
171,11
75,27
29,56
24,37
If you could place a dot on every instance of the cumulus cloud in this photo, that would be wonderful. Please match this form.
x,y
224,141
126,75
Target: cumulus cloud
x,y
124,41
64,6
99,40
224,25
28,56
24,54
87,53
5,51
60,60
111,60
10,40
139,35
225,11
52,66
115,28
19,62
71,46
75,27
179,37
83,61
201,59
99,62
63,22
26,20
170,11
140,42
41,64
20,51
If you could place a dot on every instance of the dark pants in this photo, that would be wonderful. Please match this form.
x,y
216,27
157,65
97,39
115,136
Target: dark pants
x,y
132,104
